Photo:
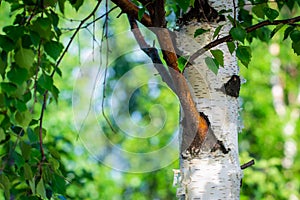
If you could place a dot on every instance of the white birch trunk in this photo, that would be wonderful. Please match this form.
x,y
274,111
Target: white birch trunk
x,y
212,175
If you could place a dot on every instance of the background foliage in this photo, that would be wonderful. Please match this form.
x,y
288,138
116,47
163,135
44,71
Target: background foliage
x,y
32,39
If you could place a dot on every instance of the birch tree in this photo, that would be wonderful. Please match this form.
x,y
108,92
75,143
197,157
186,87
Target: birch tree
x,y
196,57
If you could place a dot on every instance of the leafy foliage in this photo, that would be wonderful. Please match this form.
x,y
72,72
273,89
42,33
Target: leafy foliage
x,y
37,155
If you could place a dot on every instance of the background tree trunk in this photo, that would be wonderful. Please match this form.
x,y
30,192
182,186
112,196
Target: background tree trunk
x,y
211,174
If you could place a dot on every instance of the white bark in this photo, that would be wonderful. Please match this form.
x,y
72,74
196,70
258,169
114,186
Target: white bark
x,y
212,175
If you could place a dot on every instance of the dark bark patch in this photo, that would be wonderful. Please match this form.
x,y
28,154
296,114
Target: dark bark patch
x,y
202,12
232,87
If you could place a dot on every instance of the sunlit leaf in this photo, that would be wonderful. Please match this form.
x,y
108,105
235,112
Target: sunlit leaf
x,y
182,62
40,189
24,58
23,118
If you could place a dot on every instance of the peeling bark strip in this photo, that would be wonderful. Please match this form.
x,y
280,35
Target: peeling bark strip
x,y
204,140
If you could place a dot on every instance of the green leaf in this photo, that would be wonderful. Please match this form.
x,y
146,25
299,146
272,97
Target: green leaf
x,y
40,189
296,47
276,29
32,185
244,54
183,4
238,33
23,118
5,185
53,49
27,172
59,184
42,26
2,134
217,31
17,75
20,105
271,13
24,58
258,10
263,34
18,160
61,5
295,35
54,163
141,13
76,3
287,31
6,43
212,64
45,81
218,55
35,38
8,88
25,150
32,136
182,62
14,32
54,153
231,47
55,93
200,31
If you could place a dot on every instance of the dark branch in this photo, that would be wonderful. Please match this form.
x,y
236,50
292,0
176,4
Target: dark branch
x,y
248,164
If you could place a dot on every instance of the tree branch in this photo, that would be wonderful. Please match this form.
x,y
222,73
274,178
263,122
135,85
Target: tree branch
x,y
228,38
132,10
151,52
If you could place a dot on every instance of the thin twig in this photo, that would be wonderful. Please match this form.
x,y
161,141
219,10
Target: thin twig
x,y
36,77
73,36
92,22
248,164
105,35
41,127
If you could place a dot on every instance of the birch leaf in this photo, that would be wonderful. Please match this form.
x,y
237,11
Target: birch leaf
x,y
218,55
212,64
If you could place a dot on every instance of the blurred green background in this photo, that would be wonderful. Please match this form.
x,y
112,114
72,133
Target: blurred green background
x,y
270,102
